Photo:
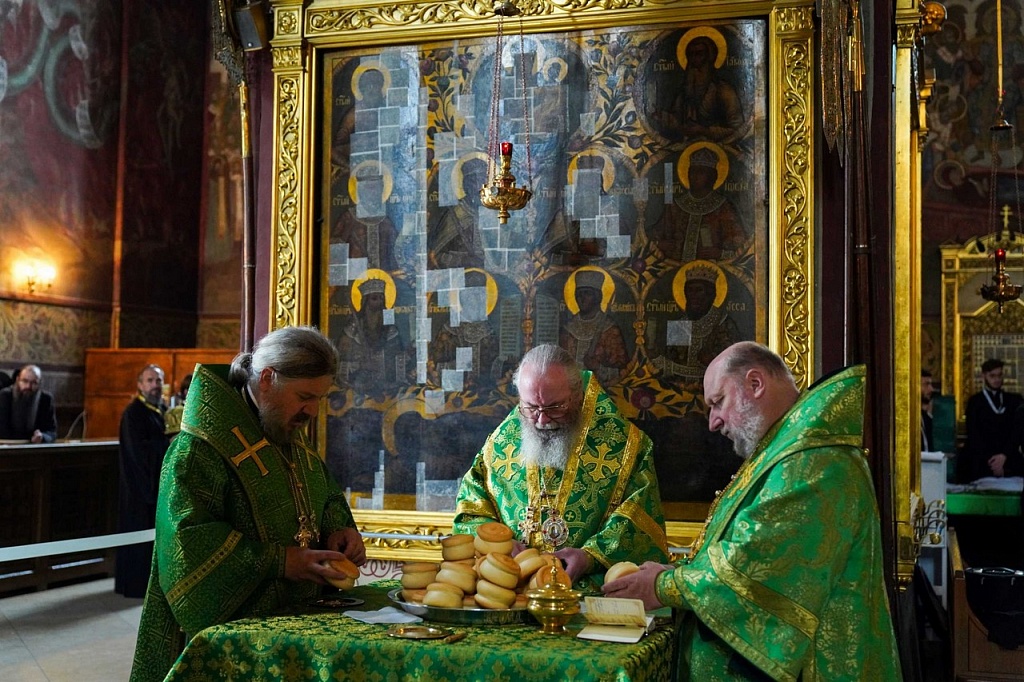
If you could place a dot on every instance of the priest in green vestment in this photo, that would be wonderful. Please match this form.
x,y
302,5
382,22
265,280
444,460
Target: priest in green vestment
x,y
567,473
785,580
247,510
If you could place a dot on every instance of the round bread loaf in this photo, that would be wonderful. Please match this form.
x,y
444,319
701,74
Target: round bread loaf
x,y
493,537
418,574
493,531
490,547
491,596
342,565
500,569
461,575
415,596
548,574
457,547
443,595
620,570
530,564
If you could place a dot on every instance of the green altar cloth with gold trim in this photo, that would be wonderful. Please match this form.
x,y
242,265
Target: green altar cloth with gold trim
x,y
325,645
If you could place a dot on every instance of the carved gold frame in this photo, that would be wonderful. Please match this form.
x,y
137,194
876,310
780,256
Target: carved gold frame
x,y
302,28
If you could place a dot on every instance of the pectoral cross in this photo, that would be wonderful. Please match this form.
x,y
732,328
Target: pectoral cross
x,y
249,451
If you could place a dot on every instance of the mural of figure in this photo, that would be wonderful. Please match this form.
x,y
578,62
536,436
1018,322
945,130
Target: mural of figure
x,y
703,223
372,353
706,106
590,334
699,288
454,240
572,234
369,83
365,226
476,336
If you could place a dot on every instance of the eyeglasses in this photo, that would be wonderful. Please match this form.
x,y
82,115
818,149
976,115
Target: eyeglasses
x,y
554,412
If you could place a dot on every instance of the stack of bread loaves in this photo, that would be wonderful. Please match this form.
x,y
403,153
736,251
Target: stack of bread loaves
x,y
479,571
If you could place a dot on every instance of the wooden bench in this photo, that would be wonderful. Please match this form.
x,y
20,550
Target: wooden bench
x,y
975,658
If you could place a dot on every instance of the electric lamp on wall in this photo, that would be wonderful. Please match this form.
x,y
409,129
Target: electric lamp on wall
x,y
34,276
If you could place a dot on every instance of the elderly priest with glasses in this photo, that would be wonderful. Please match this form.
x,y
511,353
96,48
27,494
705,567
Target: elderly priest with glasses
x,y
567,473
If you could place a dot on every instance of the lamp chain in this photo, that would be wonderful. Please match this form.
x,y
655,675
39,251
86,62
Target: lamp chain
x,y
1016,187
492,126
526,103
995,227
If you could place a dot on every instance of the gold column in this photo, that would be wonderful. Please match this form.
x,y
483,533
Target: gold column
x,y
791,303
291,205
906,310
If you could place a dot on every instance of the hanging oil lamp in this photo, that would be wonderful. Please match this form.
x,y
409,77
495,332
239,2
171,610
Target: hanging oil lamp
x,y
501,193
1001,290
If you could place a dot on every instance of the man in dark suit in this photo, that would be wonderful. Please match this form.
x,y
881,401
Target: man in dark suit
x,y
26,411
144,442
989,425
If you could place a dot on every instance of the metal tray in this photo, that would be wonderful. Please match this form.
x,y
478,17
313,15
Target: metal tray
x,y
463,616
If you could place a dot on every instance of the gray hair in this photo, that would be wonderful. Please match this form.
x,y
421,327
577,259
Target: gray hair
x,y
547,355
747,355
293,352
155,368
34,369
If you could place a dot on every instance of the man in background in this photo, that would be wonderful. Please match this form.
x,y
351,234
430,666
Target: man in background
x,y
785,580
567,472
246,510
26,411
989,425
927,389
143,443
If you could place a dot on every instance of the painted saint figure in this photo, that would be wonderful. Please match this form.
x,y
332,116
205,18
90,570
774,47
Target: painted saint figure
x,y
703,223
590,335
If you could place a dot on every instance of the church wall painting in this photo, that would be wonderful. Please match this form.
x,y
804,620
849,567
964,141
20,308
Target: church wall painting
x,y
642,251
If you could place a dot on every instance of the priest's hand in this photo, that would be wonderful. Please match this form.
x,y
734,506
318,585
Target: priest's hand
x,y
349,542
302,563
638,585
577,563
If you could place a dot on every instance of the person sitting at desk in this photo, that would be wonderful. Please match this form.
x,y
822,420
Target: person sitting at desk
x,y
785,581
26,411
567,472
247,510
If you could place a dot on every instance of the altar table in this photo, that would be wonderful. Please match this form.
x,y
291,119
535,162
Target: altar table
x,y
983,504
322,644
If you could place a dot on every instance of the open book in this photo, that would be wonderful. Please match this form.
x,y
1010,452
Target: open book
x,y
615,620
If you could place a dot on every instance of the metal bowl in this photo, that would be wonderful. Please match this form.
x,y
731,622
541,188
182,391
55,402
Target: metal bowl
x,y
463,616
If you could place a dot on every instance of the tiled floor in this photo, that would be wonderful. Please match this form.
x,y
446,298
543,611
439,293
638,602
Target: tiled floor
x,y
80,633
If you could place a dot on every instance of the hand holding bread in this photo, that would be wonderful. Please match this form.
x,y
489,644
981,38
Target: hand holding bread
x,y
344,566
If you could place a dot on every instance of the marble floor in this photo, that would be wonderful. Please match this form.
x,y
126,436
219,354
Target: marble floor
x,y
81,633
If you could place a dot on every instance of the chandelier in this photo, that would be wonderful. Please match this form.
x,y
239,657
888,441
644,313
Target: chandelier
x,y
1002,290
501,193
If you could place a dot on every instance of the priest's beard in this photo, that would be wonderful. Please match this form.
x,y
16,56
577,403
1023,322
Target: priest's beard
x,y
24,406
549,445
746,436
277,427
